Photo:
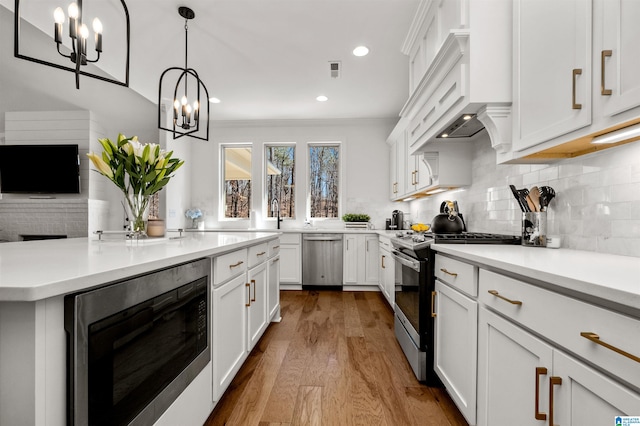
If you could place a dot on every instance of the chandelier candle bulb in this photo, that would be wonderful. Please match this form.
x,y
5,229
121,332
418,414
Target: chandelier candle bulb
x,y
97,29
58,16
73,16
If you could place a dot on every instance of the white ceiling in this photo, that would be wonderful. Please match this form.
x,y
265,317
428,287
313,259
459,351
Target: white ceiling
x,y
269,59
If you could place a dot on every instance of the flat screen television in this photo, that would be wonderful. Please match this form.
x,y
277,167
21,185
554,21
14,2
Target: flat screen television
x,y
39,169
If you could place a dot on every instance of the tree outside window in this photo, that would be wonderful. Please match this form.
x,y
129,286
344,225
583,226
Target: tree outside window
x,y
280,177
324,179
237,182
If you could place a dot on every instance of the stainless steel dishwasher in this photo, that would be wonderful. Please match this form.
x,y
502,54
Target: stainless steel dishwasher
x,y
321,260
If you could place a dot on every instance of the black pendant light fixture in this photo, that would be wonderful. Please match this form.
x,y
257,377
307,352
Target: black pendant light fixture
x,y
78,34
188,108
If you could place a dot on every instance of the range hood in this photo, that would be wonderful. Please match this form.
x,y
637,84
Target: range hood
x,y
465,126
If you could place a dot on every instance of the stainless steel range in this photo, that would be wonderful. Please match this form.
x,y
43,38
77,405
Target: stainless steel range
x,y
415,283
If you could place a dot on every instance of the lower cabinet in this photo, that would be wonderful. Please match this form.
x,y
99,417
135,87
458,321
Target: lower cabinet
x,y
291,258
387,272
257,303
273,286
360,259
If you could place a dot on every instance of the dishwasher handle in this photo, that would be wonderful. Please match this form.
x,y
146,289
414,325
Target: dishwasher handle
x,y
332,238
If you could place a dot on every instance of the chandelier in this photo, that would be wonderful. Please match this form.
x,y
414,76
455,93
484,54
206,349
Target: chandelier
x,y
186,99
78,34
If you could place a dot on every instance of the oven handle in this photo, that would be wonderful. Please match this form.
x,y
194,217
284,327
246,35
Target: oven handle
x,y
403,260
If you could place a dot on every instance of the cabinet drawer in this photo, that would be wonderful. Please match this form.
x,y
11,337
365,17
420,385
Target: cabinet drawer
x,y
459,275
229,265
290,238
258,254
564,321
274,247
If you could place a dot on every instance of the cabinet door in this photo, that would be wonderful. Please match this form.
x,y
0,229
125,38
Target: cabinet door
x,y
257,309
229,339
350,263
290,264
618,53
273,296
551,39
508,359
393,171
371,259
387,276
585,397
456,334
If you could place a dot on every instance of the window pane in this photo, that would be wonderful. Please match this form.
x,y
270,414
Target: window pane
x,y
281,179
324,167
237,182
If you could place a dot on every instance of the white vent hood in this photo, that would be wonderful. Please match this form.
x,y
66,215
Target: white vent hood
x,y
470,73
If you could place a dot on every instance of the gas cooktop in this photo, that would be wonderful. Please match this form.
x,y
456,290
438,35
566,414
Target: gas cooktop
x,y
417,242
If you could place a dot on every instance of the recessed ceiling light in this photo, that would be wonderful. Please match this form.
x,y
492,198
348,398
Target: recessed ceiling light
x,y
214,100
361,51
322,98
468,117
444,135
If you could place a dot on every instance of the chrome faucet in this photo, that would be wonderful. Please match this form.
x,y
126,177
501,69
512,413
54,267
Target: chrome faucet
x,y
275,210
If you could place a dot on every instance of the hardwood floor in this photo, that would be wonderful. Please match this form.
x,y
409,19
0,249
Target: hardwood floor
x,y
333,360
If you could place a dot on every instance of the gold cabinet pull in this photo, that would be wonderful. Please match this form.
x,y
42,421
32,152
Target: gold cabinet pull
x,y
253,299
576,72
596,339
417,178
453,274
553,381
433,304
395,187
499,296
261,253
540,371
276,247
248,286
603,90
382,261
240,262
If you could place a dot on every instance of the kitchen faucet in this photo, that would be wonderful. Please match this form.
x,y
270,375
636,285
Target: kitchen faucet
x,y
275,209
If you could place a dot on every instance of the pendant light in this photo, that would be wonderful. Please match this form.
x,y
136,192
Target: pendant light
x,y
186,98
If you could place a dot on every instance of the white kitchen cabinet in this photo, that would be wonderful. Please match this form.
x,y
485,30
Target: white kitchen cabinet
x,y
418,173
257,306
386,273
273,296
397,162
229,337
551,69
290,258
360,264
456,333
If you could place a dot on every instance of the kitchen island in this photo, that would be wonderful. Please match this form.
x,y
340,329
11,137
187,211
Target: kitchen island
x,y
36,276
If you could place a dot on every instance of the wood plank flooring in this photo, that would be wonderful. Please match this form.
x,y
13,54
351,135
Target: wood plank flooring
x,y
333,360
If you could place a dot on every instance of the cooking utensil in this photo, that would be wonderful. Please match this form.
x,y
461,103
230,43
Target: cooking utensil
x,y
531,204
534,194
547,194
517,197
523,197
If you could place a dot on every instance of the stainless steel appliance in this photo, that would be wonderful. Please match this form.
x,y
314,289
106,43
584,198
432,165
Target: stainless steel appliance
x,y
414,287
321,260
397,220
135,345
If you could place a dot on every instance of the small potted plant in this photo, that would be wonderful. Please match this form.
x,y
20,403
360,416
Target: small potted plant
x,y
356,220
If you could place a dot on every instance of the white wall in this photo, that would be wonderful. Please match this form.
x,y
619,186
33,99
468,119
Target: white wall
x,y
596,206
364,156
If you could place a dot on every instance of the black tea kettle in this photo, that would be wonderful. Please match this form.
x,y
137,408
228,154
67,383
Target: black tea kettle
x,y
449,221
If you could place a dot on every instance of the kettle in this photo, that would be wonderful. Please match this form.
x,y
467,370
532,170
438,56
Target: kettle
x,y
449,221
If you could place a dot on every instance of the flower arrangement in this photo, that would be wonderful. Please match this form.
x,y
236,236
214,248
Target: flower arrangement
x,y
138,170
194,214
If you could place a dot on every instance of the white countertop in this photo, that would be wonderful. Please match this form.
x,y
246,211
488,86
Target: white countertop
x,y
35,270
604,276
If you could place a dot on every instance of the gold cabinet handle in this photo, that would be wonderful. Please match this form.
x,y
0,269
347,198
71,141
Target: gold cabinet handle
x,y
417,178
553,381
240,262
261,253
604,91
540,371
499,296
395,187
276,247
576,72
253,299
453,274
596,339
433,304
382,261
248,294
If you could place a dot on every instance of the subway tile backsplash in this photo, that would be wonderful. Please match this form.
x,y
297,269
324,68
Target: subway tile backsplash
x,y
597,204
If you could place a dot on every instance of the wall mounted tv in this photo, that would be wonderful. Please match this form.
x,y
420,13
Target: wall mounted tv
x,y
39,169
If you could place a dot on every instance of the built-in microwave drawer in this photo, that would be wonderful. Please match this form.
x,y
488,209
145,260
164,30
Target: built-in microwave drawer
x,y
229,265
459,275
274,247
258,254
600,336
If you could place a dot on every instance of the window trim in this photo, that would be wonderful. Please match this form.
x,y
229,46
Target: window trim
x,y
341,181
221,199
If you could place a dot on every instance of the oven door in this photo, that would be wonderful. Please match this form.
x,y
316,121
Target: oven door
x,y
410,293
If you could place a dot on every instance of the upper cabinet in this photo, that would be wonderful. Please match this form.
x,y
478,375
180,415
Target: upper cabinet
x,y
460,65
576,75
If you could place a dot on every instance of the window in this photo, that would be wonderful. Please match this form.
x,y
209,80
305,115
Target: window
x,y
324,179
280,179
237,181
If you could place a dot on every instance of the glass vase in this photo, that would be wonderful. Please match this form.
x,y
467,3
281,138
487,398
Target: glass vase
x,y
137,206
